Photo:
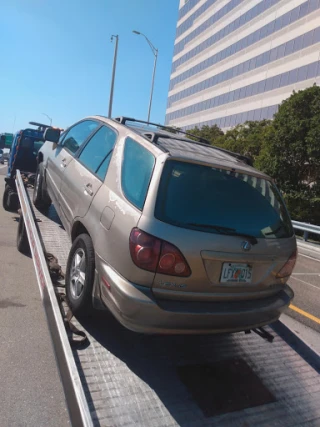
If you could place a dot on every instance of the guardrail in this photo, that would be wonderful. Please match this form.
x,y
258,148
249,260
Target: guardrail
x,y
306,228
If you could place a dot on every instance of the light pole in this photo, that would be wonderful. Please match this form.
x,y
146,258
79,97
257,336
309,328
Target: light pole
x,y
113,74
155,53
48,118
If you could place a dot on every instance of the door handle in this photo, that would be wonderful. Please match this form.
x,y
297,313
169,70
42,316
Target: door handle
x,y
63,163
88,189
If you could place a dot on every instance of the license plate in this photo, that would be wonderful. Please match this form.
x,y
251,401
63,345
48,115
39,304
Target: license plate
x,y
236,273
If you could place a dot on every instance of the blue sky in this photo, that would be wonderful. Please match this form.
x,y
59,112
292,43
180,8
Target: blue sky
x,y
56,58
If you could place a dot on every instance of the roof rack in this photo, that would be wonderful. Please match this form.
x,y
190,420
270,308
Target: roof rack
x,y
123,120
154,136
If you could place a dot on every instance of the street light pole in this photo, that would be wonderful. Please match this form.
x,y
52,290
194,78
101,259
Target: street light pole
x,y
113,74
155,53
152,84
48,118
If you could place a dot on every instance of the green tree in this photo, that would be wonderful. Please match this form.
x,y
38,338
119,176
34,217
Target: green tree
x,y
291,153
247,138
212,134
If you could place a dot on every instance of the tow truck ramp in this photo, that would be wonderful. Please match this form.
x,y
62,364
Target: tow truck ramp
x,y
121,378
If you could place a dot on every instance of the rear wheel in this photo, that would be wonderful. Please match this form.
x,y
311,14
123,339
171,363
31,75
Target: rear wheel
x,y
10,200
41,199
22,238
80,275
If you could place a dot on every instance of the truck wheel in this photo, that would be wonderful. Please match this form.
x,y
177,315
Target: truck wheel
x,y
41,199
80,275
22,238
10,200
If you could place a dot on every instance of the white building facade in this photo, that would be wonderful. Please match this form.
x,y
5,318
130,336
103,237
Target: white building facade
x,y
237,60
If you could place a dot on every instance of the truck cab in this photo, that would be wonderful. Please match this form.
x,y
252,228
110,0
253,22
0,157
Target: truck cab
x,y
25,146
23,156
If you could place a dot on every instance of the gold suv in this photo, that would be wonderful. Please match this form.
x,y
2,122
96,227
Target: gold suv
x,y
170,234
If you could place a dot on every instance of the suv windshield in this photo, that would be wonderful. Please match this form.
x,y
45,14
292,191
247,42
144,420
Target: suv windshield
x,y
213,200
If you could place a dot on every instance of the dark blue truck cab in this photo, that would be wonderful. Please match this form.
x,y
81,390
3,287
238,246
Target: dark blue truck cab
x,y
23,156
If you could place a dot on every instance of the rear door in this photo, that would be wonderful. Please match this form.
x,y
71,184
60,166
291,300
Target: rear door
x,y
63,153
85,174
232,228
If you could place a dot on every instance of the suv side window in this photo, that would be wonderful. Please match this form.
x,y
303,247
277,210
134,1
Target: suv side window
x,y
137,168
78,134
97,152
62,135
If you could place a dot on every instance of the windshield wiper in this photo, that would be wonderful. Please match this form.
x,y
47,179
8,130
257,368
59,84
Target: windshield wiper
x,y
282,226
213,226
226,230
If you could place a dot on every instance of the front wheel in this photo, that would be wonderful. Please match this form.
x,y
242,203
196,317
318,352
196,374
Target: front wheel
x,y
40,198
80,275
10,200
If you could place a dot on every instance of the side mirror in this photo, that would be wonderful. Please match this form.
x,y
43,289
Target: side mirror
x,y
52,135
2,141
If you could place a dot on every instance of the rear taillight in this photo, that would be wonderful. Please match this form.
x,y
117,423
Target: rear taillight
x,y
156,255
287,269
145,250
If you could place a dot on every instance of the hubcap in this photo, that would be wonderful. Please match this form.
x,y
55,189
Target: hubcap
x,y
78,273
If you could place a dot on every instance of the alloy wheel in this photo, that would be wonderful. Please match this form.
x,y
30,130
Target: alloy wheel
x,y
78,273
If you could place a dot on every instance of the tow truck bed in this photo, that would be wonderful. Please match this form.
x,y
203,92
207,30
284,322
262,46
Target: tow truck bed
x,y
131,379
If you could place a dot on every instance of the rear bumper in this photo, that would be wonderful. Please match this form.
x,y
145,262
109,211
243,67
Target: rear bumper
x,y
136,308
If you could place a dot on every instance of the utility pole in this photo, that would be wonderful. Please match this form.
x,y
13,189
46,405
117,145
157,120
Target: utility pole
x,y
152,84
113,74
155,53
48,118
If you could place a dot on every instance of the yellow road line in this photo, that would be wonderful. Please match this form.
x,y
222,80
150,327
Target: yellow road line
x,y
304,313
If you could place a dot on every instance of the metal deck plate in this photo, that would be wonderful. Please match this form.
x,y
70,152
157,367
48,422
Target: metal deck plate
x,y
132,379
224,386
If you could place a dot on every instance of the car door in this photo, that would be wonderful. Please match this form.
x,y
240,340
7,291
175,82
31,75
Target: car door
x,y
85,174
64,152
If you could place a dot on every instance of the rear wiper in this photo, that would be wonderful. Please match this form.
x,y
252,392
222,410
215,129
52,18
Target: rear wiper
x,y
214,227
226,230
276,230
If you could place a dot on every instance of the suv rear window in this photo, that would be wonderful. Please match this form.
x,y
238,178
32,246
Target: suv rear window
x,y
204,198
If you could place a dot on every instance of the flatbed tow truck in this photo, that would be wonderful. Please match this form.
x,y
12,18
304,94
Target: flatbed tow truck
x,y
119,378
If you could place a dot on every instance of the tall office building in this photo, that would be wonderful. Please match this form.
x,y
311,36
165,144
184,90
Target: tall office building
x,y
237,60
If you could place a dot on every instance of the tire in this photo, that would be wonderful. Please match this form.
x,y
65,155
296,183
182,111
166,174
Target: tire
x,y
41,200
10,200
80,275
22,238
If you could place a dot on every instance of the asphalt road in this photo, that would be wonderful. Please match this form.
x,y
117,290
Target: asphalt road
x,y
30,387
305,281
